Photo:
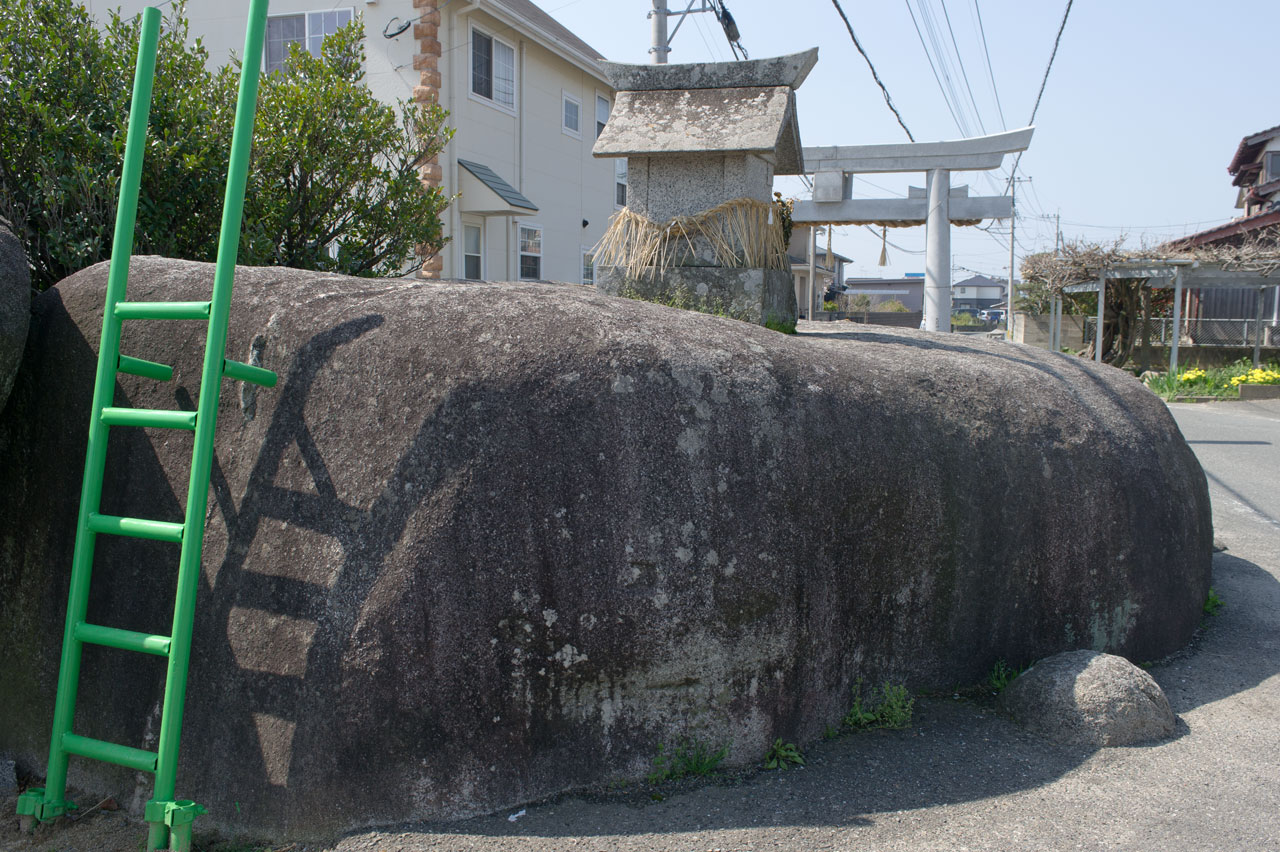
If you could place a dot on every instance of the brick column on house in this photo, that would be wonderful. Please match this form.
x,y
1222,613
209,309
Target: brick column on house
x,y
427,63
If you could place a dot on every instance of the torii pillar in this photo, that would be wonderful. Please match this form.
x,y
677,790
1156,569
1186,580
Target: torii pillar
x,y
937,207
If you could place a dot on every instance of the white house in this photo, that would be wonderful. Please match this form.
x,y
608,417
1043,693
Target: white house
x,y
976,292
525,97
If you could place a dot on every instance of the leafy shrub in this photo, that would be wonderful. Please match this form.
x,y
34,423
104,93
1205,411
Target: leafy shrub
x,y
894,306
830,306
333,169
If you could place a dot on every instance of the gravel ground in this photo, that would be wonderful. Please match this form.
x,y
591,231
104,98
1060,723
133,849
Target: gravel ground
x,y
962,777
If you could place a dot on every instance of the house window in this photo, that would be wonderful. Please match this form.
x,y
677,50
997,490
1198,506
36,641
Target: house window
x,y
530,252
588,267
1272,163
493,69
307,29
620,182
602,113
472,254
572,117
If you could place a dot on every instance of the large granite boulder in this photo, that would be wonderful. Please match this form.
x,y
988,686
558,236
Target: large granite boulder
x,y
15,307
1090,699
488,542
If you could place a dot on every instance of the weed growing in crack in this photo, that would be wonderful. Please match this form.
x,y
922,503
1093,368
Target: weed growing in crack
x,y
691,759
1002,674
891,707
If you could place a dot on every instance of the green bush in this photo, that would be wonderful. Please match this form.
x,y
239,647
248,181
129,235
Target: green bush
x,y
333,168
965,320
894,306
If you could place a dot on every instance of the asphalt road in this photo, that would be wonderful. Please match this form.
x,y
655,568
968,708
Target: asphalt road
x,y
1238,444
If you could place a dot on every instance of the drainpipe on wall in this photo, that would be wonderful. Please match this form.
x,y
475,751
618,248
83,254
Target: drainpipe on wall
x,y
427,63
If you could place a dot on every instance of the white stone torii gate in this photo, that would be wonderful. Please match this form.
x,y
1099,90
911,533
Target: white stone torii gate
x,y
936,208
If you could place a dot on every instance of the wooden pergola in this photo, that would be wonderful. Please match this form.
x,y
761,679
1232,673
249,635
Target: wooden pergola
x,y
1165,274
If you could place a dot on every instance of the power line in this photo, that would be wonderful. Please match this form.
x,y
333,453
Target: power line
x,y
960,61
1043,82
990,72
1169,227
887,242
947,99
888,100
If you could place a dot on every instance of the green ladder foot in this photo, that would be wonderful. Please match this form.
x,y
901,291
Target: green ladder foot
x,y
32,808
171,820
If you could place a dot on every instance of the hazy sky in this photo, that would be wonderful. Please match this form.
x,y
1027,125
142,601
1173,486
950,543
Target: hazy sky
x,y
1144,107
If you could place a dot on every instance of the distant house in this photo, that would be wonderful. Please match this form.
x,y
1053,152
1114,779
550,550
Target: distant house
x,y
977,293
908,290
1255,170
525,96
827,271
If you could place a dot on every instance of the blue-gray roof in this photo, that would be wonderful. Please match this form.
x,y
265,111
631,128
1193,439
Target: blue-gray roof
x,y
490,178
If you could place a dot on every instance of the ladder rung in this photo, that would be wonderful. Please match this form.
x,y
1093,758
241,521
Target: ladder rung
x,y
159,419
134,758
125,640
163,310
146,369
248,373
136,527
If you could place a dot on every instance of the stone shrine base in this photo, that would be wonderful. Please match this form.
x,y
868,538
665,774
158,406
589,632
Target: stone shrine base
x,y
762,296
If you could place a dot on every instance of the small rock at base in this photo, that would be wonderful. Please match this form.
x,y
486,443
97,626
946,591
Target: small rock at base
x,y
1089,698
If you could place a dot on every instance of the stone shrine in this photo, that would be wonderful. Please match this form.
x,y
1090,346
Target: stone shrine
x,y
703,143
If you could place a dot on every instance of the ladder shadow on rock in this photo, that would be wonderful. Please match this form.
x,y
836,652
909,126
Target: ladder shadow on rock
x,y
293,702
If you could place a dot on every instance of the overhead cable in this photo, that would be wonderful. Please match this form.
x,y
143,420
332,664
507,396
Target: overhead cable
x,y
960,61
1043,82
990,72
929,56
888,100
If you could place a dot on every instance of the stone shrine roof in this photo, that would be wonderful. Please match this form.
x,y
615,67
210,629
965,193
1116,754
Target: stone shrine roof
x,y
754,119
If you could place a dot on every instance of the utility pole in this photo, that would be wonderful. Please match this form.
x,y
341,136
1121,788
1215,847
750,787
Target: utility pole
x,y
1009,292
660,39
1013,220
658,32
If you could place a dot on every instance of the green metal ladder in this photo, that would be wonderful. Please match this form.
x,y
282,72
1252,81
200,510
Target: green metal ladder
x,y
169,818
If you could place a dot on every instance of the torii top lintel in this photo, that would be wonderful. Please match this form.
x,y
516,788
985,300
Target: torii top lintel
x,y
976,153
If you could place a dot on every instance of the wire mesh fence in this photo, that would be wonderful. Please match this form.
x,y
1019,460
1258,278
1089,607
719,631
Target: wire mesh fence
x,y
1204,332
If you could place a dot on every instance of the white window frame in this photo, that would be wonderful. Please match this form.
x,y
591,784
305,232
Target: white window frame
x,y
479,226
515,72
600,96
587,272
306,30
620,180
565,100
521,253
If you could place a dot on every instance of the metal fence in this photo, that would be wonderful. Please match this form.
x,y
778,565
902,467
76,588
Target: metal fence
x,y
1204,332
